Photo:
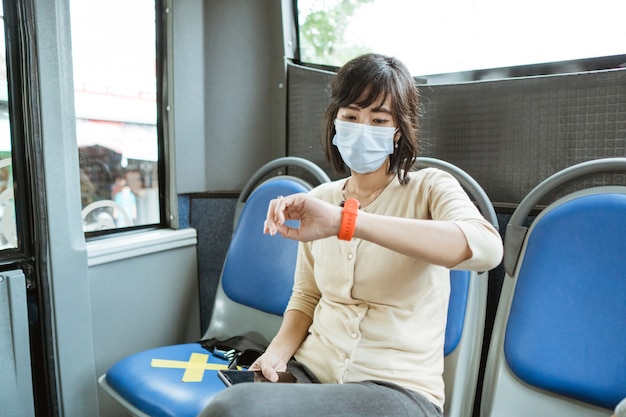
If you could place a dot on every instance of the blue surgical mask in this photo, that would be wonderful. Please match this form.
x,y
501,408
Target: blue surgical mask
x,y
364,148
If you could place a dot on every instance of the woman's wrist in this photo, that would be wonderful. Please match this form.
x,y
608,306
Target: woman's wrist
x,y
280,351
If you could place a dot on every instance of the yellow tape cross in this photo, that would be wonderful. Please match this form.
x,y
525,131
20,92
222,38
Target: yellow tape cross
x,y
194,368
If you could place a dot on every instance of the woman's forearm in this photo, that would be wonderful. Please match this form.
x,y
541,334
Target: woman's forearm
x,y
437,242
292,332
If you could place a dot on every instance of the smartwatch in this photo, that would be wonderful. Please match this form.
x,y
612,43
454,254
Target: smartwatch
x,y
348,219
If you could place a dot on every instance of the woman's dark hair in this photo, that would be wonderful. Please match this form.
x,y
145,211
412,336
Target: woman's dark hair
x,y
362,81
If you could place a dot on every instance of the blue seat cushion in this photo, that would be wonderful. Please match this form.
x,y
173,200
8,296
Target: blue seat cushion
x,y
152,380
565,332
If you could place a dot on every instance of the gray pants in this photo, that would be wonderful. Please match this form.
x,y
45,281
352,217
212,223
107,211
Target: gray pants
x,y
359,399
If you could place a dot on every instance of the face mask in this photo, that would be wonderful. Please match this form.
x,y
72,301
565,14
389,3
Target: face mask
x,y
363,148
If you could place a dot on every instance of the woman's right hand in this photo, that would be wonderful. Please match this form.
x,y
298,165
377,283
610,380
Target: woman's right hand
x,y
269,364
318,218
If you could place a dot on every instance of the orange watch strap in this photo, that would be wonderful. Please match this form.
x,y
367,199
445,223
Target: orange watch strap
x,y
348,219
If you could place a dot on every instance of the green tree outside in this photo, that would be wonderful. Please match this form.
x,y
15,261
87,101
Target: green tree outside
x,y
323,25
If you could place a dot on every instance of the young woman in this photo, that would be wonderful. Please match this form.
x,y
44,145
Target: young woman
x,y
367,315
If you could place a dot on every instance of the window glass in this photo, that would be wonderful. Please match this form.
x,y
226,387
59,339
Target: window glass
x,y
114,55
8,229
435,37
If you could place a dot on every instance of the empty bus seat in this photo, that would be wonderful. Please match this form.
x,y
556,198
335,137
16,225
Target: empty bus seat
x,y
558,345
180,380
255,285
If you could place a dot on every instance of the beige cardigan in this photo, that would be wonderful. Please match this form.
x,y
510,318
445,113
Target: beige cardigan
x,y
378,314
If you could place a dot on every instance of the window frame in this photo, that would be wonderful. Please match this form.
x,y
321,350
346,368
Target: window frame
x,y
19,104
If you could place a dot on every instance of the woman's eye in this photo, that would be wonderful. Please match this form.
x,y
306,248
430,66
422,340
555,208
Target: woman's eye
x,y
348,117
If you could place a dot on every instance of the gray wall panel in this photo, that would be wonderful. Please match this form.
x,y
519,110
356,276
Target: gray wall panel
x,y
16,390
512,134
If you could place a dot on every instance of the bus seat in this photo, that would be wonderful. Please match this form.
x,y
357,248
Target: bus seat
x,y
558,342
150,383
466,310
254,288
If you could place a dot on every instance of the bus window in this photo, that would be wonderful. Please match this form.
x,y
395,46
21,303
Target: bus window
x,y
114,56
8,232
434,37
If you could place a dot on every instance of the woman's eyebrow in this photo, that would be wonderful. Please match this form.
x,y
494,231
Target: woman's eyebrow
x,y
381,109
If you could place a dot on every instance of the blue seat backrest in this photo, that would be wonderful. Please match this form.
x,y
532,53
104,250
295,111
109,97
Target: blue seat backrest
x,y
566,331
258,270
459,289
